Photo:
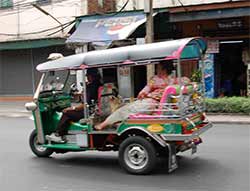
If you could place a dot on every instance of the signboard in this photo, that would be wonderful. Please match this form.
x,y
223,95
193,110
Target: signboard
x,y
213,46
125,82
209,75
230,24
106,28
124,71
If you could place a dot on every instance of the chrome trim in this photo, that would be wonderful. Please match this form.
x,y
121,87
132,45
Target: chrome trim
x,y
203,81
36,112
75,132
102,132
190,121
86,109
40,134
136,156
185,137
36,95
154,136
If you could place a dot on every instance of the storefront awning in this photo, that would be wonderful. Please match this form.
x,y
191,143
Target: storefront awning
x,y
32,43
209,14
106,28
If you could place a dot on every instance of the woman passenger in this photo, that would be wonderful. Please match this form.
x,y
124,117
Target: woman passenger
x,y
148,97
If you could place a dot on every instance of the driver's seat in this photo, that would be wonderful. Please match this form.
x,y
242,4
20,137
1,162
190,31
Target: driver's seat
x,y
108,100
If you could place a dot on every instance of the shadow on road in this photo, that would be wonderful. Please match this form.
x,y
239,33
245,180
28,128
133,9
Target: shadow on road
x,y
195,173
108,162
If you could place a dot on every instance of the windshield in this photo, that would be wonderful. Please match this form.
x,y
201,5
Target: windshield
x,y
58,81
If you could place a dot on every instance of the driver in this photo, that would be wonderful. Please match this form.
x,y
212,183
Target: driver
x,y
76,113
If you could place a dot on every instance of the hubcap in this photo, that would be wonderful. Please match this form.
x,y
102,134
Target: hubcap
x,y
136,156
38,147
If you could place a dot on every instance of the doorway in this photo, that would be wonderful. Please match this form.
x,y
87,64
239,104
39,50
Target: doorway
x,y
230,69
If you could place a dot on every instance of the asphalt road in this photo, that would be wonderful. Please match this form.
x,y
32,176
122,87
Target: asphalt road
x,y
221,164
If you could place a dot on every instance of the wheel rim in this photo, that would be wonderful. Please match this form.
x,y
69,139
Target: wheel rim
x,y
37,146
136,156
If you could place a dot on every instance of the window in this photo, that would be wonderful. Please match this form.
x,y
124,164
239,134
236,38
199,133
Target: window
x,y
6,3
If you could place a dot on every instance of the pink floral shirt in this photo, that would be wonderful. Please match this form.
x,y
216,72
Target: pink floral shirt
x,y
156,86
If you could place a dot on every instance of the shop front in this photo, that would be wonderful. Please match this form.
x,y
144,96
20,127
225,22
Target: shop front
x,y
18,61
227,32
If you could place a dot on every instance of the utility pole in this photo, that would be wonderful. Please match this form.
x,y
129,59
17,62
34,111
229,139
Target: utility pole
x,y
148,9
18,19
80,75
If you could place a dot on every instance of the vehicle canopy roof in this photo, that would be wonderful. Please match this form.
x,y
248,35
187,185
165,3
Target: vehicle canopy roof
x,y
187,48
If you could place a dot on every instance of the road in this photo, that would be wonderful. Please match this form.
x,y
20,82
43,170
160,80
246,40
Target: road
x,y
221,164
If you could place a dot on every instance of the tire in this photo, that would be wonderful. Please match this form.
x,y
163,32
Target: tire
x,y
38,150
137,155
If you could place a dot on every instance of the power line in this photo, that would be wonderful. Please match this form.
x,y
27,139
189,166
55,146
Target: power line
x,y
183,5
65,25
38,32
29,3
123,7
59,29
23,5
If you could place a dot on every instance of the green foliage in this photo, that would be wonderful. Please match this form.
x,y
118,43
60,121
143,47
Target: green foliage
x,y
196,76
228,105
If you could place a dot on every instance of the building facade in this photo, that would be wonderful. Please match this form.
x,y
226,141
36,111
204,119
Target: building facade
x,y
29,31
28,35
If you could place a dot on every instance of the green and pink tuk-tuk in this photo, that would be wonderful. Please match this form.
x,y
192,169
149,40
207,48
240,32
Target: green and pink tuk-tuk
x,y
174,126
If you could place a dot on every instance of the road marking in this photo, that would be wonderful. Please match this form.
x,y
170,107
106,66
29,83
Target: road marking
x,y
16,115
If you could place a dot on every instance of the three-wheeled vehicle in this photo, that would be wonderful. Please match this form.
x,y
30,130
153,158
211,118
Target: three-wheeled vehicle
x,y
173,127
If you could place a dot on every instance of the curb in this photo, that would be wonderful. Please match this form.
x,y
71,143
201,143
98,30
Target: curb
x,y
232,122
15,98
232,118
228,114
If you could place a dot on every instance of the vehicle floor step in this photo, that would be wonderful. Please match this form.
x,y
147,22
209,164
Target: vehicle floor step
x,y
69,146
103,132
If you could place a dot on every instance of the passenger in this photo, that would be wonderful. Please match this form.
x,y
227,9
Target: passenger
x,y
148,97
76,113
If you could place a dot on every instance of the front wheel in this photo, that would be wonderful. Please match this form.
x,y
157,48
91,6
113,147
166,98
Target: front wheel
x,y
137,155
36,148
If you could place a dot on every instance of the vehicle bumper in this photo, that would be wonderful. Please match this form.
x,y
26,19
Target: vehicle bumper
x,y
186,137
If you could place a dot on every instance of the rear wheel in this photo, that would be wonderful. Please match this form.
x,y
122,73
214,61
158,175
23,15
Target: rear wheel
x,y
37,148
137,155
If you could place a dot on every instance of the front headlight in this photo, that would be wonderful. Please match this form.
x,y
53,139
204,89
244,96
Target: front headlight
x,y
31,106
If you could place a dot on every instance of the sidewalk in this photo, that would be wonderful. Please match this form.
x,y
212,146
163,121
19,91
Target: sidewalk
x,y
229,118
17,109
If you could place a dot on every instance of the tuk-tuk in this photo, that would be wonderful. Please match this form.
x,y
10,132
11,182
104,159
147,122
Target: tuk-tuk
x,y
174,126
